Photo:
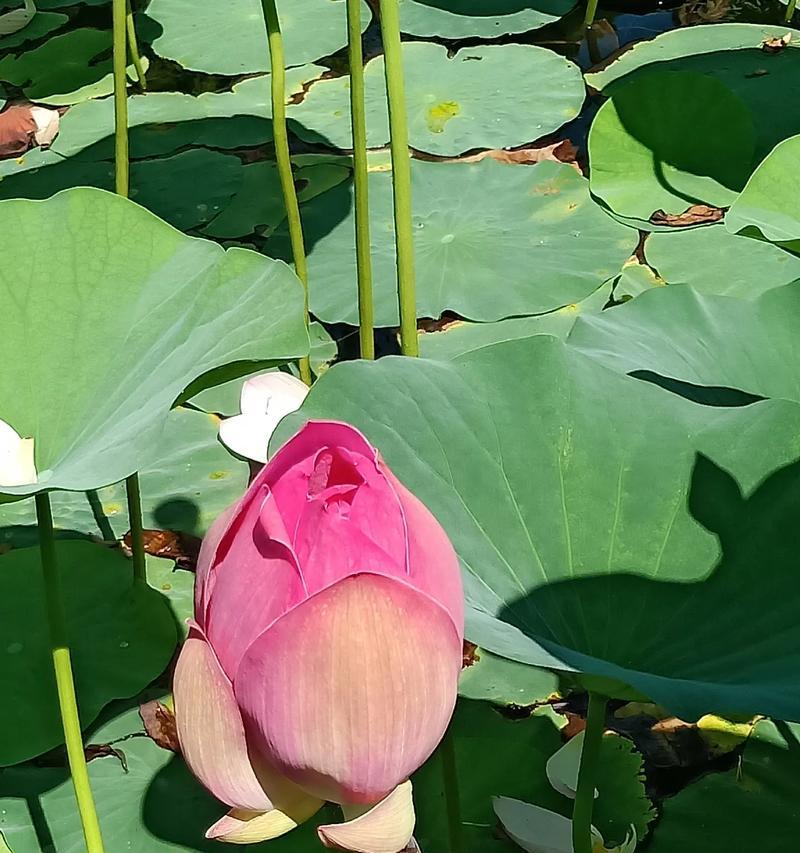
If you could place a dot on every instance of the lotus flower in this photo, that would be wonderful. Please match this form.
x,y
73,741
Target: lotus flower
x,y
325,655
17,467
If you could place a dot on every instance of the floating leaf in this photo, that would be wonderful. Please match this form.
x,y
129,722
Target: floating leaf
x,y
114,327
122,635
539,243
42,24
454,103
666,142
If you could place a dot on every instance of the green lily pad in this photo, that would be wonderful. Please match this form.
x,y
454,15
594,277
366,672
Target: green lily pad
x,y
454,103
491,678
579,530
457,19
257,206
645,152
176,585
459,338
122,635
769,205
713,261
149,804
42,24
768,83
191,481
753,807
538,243
231,38
160,122
116,324
66,69
696,338
634,280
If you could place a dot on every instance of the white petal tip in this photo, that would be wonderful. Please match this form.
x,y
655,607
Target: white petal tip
x,y
17,466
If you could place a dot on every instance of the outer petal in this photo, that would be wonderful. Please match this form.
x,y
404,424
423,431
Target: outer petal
x,y
563,766
539,830
17,467
211,734
432,562
205,559
386,828
243,827
351,691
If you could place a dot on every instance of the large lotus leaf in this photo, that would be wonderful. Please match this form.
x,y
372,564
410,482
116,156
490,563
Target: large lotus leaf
x,y
669,141
509,241
457,19
752,807
109,315
160,122
460,337
713,261
495,679
147,802
190,482
454,103
177,586
770,203
66,69
122,635
186,190
230,37
587,507
717,341
768,83
42,24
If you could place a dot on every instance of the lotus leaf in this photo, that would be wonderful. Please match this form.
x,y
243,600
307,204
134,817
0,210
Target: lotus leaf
x,y
594,507
43,24
112,327
644,152
538,244
454,103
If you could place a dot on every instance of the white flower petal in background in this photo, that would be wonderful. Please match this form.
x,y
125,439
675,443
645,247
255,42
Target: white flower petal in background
x,y
562,767
47,124
265,400
17,19
17,467
539,830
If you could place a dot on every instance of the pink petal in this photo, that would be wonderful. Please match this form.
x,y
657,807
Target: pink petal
x,y
243,827
257,580
351,691
208,549
210,728
432,561
385,828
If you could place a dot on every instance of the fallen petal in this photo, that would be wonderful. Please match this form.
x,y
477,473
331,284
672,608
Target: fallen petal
x,y
538,830
47,124
386,828
563,766
245,827
17,467
365,700
270,392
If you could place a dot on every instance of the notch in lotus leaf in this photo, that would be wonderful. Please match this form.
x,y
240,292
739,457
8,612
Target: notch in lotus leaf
x,y
109,315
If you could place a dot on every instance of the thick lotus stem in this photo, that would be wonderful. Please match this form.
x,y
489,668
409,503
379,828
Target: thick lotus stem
x,y
281,137
133,46
591,11
452,797
121,182
355,54
65,683
401,175
134,496
584,797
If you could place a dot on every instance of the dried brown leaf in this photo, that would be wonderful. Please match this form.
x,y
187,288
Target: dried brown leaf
x,y
470,655
159,723
776,44
17,128
697,214
180,547
561,152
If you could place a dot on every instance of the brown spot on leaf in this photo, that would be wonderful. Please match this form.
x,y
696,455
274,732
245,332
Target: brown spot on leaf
x,y
104,750
159,723
697,214
776,44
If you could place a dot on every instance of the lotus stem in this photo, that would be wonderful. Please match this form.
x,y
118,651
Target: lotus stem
x,y
65,683
134,495
282,155
401,175
790,10
591,11
121,181
587,774
366,321
133,46
452,797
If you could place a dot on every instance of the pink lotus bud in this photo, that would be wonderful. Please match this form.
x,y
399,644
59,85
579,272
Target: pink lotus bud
x,y
330,618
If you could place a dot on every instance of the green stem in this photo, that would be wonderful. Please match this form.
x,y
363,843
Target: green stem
x,y
790,10
587,775
401,175
65,684
121,183
366,322
591,11
451,795
282,155
134,495
133,46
